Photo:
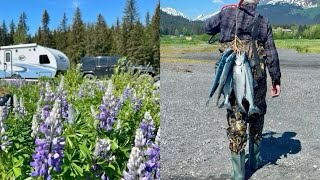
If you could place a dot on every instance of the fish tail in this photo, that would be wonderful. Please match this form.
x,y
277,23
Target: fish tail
x,y
240,108
226,105
253,110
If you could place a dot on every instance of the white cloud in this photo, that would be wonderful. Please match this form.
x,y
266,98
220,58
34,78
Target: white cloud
x,y
218,1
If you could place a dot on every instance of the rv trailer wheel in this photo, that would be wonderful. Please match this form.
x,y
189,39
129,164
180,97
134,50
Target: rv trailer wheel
x,y
16,77
89,76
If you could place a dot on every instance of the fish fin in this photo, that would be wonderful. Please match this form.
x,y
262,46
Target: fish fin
x,y
253,110
222,105
207,103
255,84
226,105
241,109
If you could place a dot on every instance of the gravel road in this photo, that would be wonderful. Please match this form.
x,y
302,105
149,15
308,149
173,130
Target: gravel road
x,y
194,142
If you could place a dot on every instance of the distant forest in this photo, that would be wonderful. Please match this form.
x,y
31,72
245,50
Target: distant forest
x,y
139,42
177,25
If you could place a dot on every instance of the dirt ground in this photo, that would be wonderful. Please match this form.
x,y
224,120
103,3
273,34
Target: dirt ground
x,y
194,142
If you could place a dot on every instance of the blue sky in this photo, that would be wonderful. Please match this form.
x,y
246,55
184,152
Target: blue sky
x,y
193,8
110,9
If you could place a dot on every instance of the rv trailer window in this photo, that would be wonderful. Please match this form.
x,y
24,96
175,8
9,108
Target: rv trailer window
x,y
44,59
8,57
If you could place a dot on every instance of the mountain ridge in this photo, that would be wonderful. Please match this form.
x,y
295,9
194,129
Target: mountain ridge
x,y
294,7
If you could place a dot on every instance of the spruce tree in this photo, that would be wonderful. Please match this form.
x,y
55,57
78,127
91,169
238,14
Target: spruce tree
x,y
46,37
21,35
38,36
147,19
129,19
3,34
77,36
11,33
90,40
116,40
103,38
61,36
130,13
155,38
137,49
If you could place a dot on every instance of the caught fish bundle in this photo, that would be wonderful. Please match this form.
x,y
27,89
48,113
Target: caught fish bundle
x,y
234,73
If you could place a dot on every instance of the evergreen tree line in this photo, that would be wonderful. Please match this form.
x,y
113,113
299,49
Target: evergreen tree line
x,y
176,25
139,42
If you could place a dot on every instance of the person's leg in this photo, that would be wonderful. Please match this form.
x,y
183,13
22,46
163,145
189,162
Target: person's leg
x,y
255,136
256,122
237,136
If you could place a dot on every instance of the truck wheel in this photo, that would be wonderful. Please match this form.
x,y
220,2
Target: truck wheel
x,y
89,76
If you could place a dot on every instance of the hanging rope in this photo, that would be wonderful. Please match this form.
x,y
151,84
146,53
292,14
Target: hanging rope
x,y
237,41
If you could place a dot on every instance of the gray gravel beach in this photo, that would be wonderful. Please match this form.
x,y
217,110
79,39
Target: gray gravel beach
x,y
194,142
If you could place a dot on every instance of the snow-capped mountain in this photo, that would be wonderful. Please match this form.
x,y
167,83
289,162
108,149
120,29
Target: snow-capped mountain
x,y
301,3
173,12
204,17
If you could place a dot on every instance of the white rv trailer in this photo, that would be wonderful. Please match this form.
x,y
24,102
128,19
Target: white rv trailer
x,y
31,61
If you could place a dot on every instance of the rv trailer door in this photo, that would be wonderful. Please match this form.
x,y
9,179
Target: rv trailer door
x,y
7,64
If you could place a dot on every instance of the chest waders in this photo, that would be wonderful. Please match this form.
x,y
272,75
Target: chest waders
x,y
238,159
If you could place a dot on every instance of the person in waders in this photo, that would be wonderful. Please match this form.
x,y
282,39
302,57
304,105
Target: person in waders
x,y
241,26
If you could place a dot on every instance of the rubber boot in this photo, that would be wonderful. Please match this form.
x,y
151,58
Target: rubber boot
x,y
238,166
254,155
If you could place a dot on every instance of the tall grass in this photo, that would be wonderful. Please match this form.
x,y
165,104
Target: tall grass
x,y
175,43
301,45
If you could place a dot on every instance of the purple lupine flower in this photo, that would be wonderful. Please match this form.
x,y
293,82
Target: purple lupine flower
x,y
127,93
3,138
147,127
45,112
36,118
60,87
135,165
18,106
64,105
140,140
158,138
15,105
104,177
56,154
41,85
109,109
40,159
22,110
49,95
153,163
81,91
50,149
137,103
71,114
152,166
102,149
102,86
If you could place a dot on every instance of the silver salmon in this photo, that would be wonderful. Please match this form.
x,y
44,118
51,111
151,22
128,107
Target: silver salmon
x,y
239,81
225,73
218,72
227,89
249,94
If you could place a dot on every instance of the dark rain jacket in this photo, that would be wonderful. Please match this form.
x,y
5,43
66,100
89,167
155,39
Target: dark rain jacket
x,y
225,22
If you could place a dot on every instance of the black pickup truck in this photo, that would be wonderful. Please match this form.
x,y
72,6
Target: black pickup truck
x,y
100,66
